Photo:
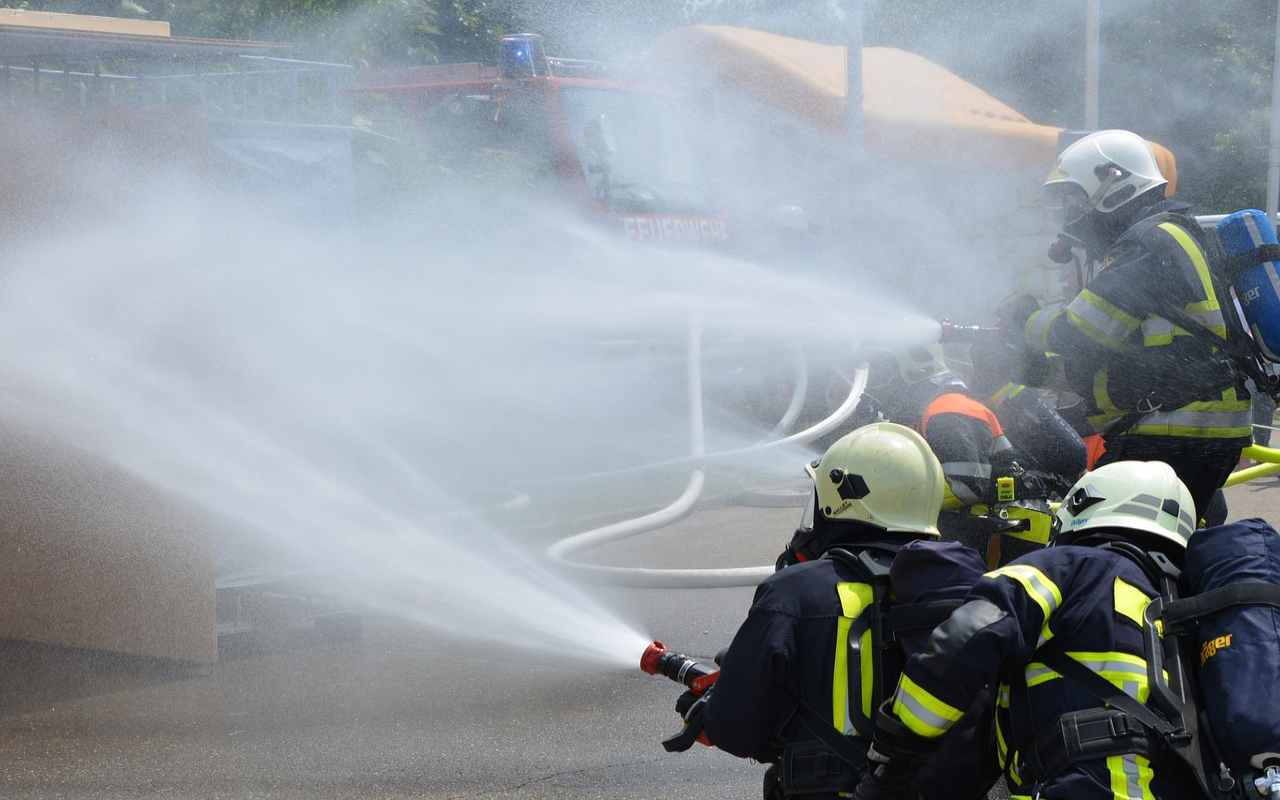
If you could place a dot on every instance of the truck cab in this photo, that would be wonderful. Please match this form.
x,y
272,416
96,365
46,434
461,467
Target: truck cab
x,y
620,149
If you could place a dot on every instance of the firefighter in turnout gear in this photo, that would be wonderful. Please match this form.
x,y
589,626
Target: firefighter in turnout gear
x,y
982,468
1029,627
822,643
1139,341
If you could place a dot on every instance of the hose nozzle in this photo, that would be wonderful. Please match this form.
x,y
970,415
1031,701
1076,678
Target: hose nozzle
x,y
955,332
697,674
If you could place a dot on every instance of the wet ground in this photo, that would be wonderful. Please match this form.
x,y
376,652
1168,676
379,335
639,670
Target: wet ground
x,y
407,713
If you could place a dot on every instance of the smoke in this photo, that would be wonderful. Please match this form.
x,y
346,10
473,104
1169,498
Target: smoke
x,y
406,393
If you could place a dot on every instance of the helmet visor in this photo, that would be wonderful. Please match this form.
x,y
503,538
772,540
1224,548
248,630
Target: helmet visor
x,y
806,516
1066,203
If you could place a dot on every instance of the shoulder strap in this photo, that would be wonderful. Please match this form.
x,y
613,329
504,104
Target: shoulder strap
x,y
861,562
845,747
884,653
1251,593
1057,660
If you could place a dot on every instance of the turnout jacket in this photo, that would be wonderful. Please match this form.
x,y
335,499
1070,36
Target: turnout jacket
x,y
1088,599
1123,356
969,441
793,648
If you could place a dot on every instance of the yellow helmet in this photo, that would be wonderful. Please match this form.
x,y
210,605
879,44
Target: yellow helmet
x,y
883,474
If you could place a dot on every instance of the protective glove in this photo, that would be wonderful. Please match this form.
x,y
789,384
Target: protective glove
x,y
886,778
1060,250
893,760
1012,314
691,708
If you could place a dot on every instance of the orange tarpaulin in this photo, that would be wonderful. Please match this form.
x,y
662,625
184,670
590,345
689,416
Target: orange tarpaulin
x,y
912,108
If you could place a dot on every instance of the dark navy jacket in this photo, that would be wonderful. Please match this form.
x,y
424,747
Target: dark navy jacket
x,y
787,650
1090,600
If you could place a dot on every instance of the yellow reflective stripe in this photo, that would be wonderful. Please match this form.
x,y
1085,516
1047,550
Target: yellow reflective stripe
x,y
949,500
1038,673
920,711
1158,331
840,677
854,599
1006,392
868,673
1101,320
1036,331
1108,412
1130,601
1038,587
1192,250
1002,695
1041,524
1130,777
1002,748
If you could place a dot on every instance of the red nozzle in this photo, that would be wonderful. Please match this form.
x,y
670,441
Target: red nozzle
x,y
651,658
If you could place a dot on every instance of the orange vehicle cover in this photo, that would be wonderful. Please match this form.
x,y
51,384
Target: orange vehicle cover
x,y
913,109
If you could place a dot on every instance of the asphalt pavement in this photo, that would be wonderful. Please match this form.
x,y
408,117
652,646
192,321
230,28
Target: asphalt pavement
x,y
408,712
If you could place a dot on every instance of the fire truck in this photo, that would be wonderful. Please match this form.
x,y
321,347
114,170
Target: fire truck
x,y
620,149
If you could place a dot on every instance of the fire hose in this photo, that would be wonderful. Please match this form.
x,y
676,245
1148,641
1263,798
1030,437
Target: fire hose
x,y
559,553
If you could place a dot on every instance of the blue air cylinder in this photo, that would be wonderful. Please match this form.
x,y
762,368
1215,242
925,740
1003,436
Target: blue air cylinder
x,y
1258,286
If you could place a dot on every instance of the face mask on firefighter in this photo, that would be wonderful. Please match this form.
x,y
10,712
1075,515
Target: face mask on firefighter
x,y
1067,204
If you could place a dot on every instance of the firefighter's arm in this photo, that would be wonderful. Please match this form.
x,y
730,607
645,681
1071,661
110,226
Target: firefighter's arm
x,y
751,701
1005,618
1106,313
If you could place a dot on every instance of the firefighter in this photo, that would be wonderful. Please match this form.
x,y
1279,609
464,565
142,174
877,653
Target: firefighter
x,y
799,683
1050,452
968,438
1155,390
1081,600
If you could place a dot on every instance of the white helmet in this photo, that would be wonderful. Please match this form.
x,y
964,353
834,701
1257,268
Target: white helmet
x,y
1137,496
1102,172
883,474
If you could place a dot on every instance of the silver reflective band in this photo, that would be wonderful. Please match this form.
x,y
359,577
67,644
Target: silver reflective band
x,y
963,493
1108,326
1199,419
1038,326
1145,512
1132,777
966,469
923,714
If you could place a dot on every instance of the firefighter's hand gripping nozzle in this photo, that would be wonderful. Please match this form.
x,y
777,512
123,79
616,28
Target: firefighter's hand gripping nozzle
x,y
699,675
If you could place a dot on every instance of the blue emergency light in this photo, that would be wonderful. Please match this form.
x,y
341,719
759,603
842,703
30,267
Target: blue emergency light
x,y
522,56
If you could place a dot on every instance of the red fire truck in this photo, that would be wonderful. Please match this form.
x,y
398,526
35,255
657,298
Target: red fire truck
x,y
619,148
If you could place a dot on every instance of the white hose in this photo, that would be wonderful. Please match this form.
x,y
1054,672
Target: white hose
x,y
654,578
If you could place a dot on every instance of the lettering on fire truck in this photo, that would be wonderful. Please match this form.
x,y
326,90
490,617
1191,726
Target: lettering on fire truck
x,y
659,228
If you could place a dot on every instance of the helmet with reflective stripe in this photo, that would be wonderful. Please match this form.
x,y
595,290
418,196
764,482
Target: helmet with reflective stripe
x,y
1129,497
883,474
1103,171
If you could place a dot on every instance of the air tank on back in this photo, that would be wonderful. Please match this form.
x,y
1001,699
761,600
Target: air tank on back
x,y
1257,285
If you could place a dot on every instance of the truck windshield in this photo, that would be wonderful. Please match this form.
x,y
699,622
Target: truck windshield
x,y
651,160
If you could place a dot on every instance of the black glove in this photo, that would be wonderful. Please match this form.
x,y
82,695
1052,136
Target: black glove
x,y
1060,250
1012,314
893,760
886,778
691,708
685,702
